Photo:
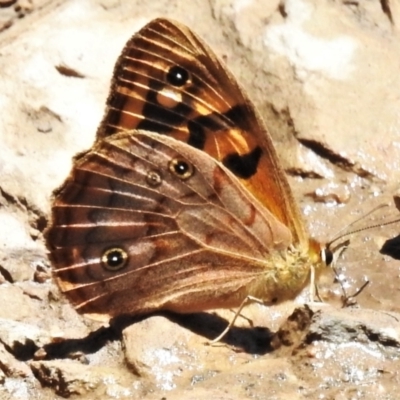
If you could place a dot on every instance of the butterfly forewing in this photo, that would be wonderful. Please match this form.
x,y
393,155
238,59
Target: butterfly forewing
x,y
167,80
180,235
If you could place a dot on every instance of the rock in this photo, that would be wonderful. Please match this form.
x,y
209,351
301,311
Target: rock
x,y
20,265
35,290
11,367
315,353
68,378
22,339
18,304
341,351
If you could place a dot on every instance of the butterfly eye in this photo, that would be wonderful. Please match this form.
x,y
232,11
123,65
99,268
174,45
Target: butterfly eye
x,y
154,178
114,259
327,256
177,76
181,168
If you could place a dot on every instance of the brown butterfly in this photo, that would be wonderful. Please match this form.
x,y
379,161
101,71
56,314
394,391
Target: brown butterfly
x,y
182,203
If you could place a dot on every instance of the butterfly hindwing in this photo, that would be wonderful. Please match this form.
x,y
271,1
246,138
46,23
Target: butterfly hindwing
x,y
144,221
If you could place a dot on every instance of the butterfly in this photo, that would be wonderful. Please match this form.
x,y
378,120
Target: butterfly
x,y
182,203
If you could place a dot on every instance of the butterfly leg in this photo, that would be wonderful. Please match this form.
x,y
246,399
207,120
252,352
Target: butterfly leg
x,y
314,292
245,302
313,286
349,300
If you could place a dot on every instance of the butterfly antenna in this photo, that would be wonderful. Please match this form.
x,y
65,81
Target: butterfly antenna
x,y
346,232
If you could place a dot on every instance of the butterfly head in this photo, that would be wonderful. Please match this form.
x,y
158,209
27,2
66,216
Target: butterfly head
x,y
322,253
